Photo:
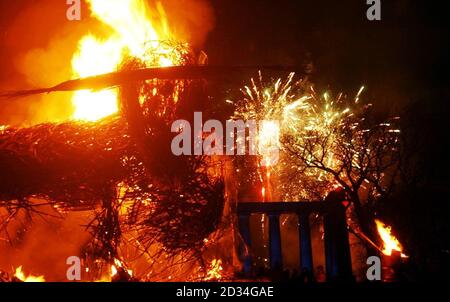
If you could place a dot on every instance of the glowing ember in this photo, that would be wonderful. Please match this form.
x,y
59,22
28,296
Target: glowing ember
x,y
19,274
215,270
134,34
390,243
119,264
113,270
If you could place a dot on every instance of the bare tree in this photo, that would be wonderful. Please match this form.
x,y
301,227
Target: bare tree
x,y
342,148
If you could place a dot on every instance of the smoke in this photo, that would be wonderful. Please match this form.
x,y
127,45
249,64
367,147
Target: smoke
x,y
37,48
191,20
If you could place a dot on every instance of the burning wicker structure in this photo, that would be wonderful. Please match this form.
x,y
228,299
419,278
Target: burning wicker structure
x,y
120,168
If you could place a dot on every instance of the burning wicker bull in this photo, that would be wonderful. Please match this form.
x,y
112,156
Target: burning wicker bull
x,y
80,166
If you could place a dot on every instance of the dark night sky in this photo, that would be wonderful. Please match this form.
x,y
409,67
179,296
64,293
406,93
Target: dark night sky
x,y
406,50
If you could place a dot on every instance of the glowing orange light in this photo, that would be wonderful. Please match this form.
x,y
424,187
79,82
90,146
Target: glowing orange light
x,y
133,34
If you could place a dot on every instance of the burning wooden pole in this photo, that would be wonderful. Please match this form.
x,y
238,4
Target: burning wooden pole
x,y
123,77
392,253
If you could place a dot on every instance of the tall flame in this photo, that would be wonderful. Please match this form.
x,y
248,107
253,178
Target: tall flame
x,y
390,242
134,34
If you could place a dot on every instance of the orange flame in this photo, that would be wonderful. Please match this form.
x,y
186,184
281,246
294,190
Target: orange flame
x,y
119,264
134,34
19,274
390,242
215,270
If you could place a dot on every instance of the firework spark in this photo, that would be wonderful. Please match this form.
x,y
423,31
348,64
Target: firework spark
x,y
325,141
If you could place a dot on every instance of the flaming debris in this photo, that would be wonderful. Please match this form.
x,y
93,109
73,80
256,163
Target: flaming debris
x,y
215,270
19,274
